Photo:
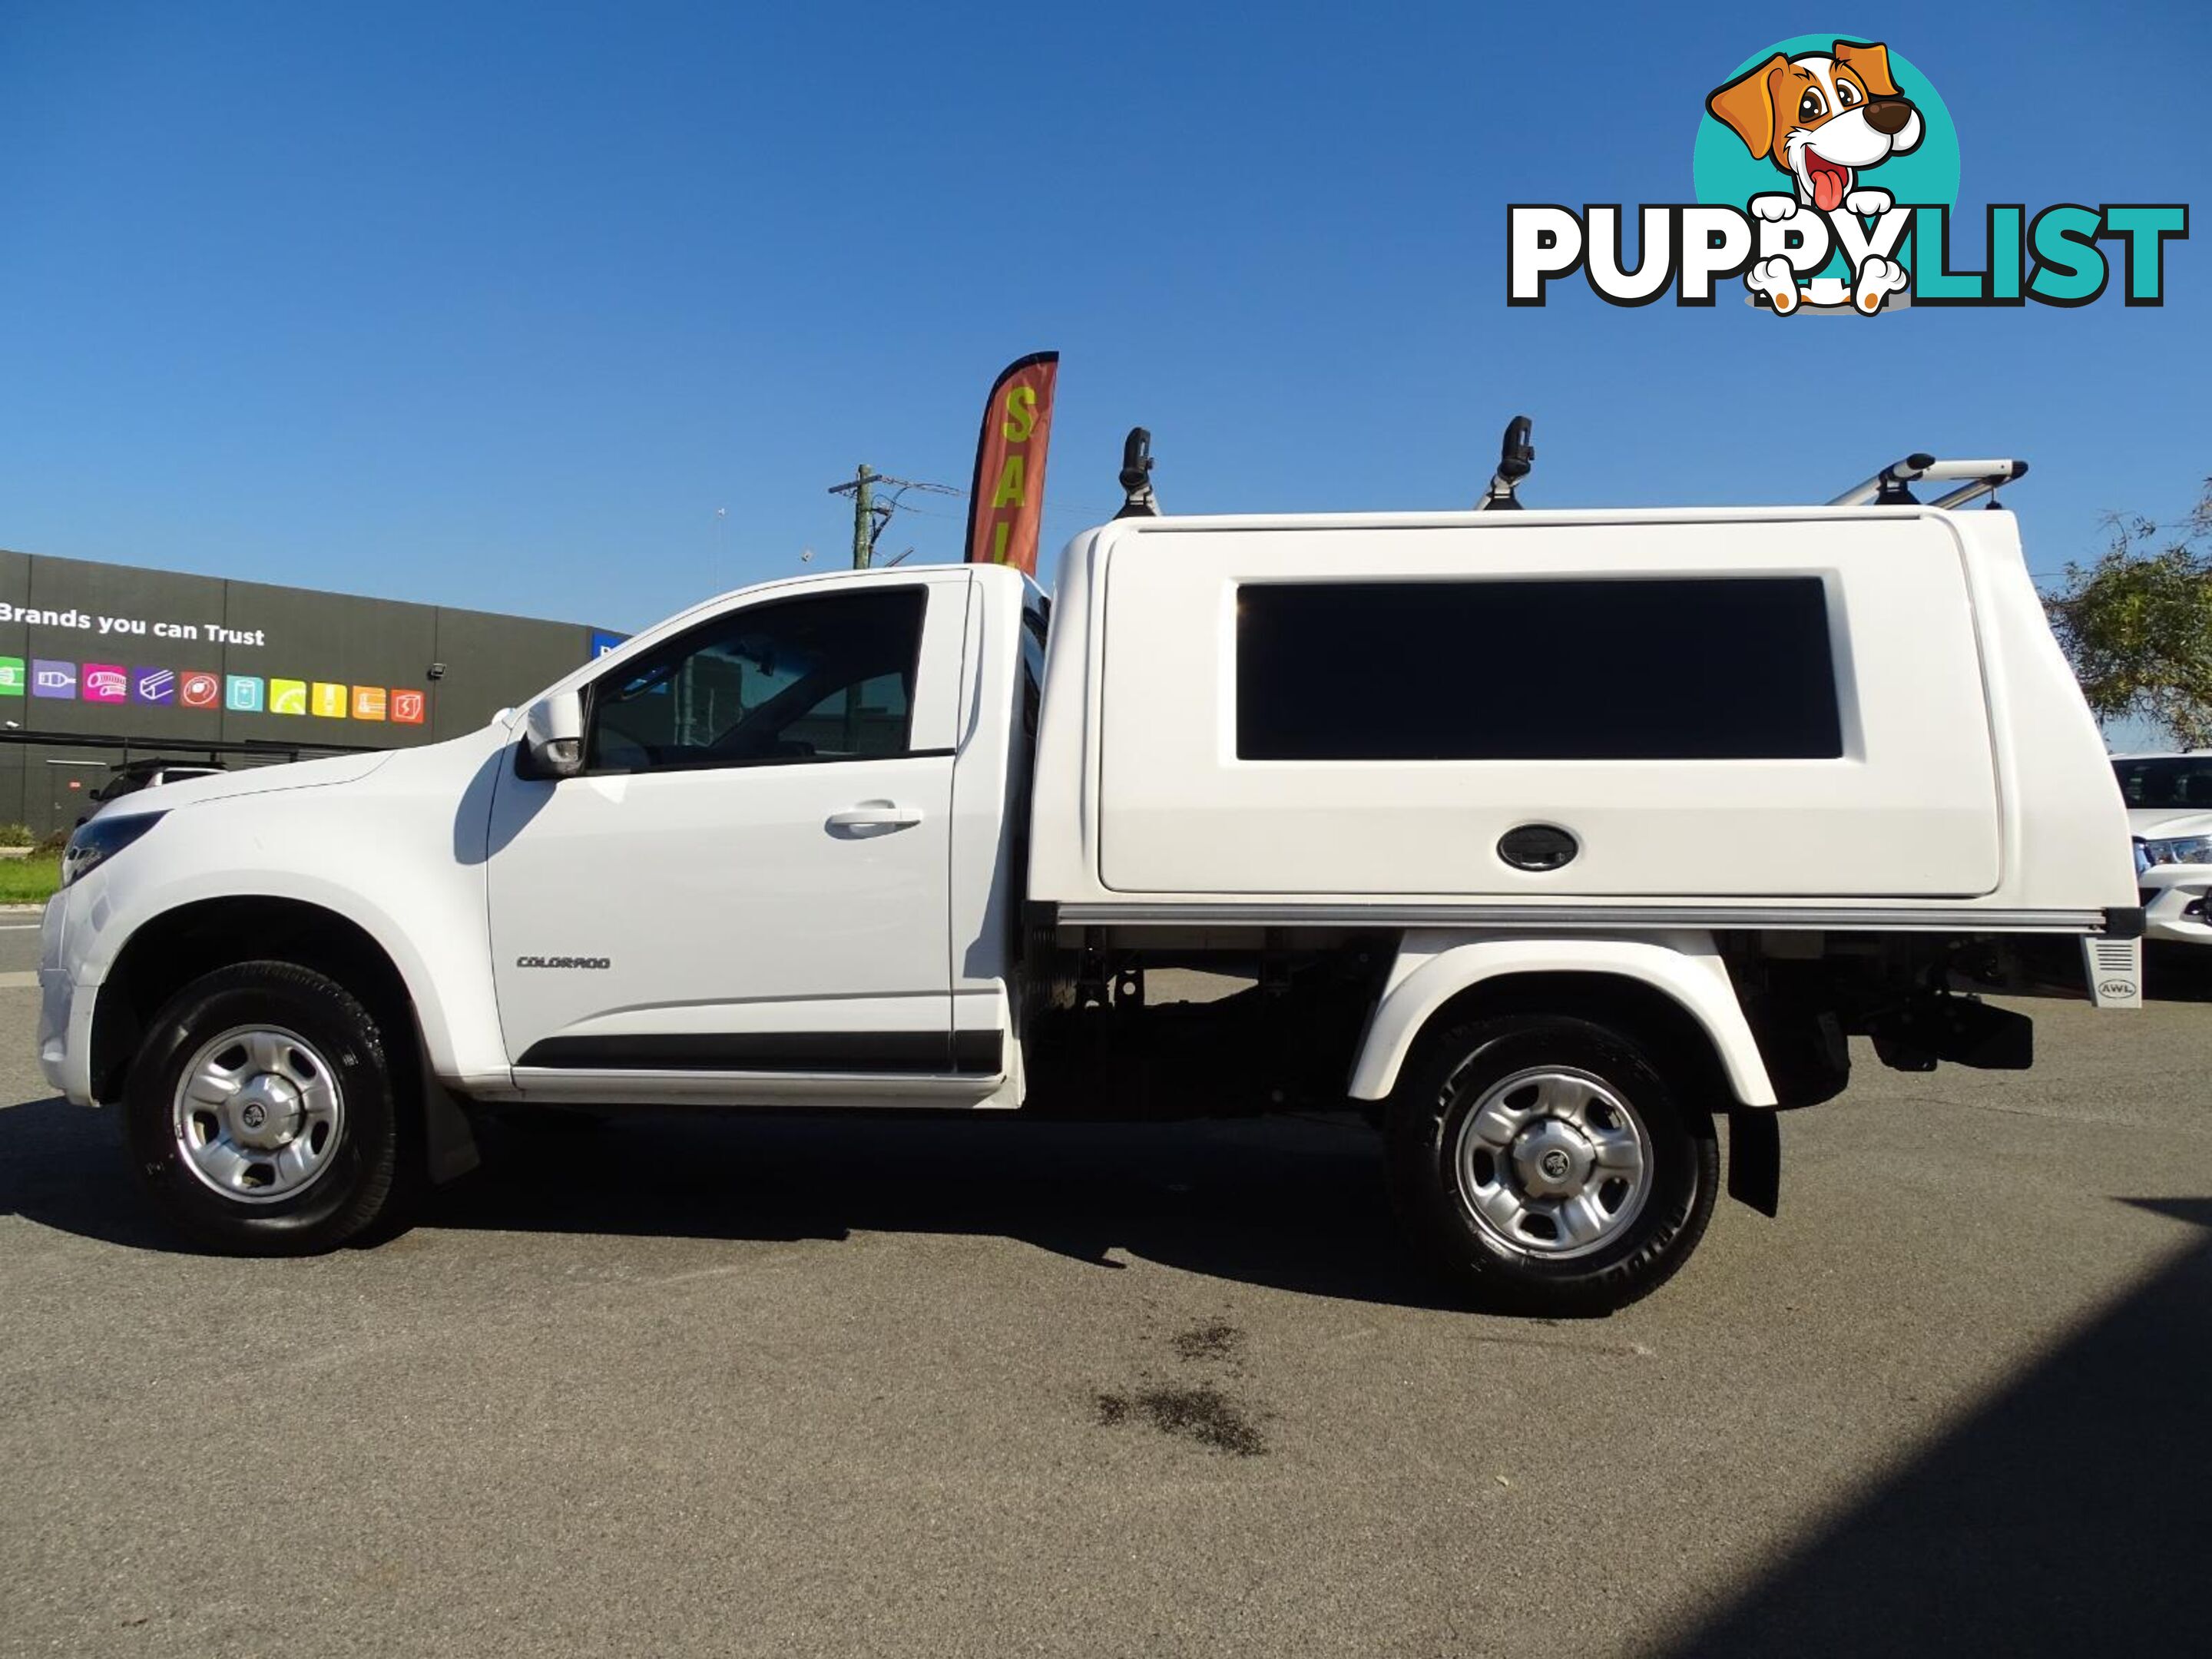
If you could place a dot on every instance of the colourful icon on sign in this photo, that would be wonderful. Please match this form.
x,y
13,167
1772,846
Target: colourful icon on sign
x,y
101,682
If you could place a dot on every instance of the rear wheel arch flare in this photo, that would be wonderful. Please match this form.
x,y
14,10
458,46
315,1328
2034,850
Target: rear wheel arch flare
x,y
1669,1032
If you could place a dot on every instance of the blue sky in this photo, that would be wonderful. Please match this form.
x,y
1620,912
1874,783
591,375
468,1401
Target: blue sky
x,y
496,305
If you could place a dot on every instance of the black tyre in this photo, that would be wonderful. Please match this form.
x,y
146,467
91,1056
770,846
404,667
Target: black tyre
x,y
1546,1165
261,1113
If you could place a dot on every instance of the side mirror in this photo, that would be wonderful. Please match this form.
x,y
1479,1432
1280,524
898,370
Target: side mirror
x,y
552,737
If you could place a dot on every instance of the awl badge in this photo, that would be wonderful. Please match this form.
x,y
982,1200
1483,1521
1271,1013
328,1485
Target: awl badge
x,y
1826,173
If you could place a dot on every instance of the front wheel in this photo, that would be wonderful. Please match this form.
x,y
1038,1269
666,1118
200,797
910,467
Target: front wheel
x,y
261,1114
1545,1165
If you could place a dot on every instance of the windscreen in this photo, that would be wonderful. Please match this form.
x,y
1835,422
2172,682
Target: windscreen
x,y
2166,782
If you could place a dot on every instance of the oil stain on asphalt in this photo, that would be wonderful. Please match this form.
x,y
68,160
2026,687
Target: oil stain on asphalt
x,y
1202,1413
1199,1411
1215,1339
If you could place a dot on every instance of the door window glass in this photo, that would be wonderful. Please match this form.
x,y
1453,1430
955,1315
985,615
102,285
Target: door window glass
x,y
827,678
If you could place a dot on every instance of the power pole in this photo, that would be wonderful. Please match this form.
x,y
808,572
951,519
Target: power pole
x,y
871,515
864,531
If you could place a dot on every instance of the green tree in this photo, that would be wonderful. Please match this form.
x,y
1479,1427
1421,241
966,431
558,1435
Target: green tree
x,y
2138,624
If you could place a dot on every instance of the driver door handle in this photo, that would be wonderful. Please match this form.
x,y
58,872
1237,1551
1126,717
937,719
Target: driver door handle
x,y
876,815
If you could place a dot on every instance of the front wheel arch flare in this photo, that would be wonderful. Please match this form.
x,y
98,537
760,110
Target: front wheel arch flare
x,y
171,949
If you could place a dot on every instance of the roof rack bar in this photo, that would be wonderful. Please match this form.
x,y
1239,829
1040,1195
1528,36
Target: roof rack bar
x,y
1888,487
1889,482
1987,484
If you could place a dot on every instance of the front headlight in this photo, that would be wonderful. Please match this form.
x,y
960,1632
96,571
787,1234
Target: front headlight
x,y
100,839
2176,849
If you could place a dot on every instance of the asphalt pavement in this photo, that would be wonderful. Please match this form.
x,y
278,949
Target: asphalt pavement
x,y
789,1386
19,947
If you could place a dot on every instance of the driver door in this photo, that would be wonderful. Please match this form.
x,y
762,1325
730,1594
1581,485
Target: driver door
x,y
749,881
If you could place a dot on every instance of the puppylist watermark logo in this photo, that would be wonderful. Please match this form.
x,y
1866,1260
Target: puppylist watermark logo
x,y
1826,171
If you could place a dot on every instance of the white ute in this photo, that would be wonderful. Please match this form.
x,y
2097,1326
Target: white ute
x,y
2169,802
1546,838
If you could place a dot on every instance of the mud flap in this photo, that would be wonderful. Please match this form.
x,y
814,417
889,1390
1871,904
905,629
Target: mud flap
x,y
1755,1169
449,1145
2113,968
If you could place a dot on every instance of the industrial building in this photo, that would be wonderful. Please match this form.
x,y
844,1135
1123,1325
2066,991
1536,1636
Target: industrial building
x,y
103,664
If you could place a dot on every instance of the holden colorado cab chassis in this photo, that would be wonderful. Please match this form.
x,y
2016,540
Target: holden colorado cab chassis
x,y
1546,839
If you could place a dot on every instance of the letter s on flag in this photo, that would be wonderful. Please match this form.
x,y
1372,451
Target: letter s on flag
x,y
1005,503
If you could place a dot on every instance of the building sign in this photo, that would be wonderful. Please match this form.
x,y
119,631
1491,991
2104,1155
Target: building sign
x,y
103,657
102,625
159,686
104,682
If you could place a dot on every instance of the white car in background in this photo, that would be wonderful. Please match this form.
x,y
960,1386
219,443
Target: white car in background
x,y
2169,801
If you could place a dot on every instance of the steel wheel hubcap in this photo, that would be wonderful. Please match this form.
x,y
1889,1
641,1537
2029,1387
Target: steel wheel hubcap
x,y
258,1114
1552,1162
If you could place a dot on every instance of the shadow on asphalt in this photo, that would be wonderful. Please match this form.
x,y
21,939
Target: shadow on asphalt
x,y
2070,1515
2176,973
62,1167
1293,1203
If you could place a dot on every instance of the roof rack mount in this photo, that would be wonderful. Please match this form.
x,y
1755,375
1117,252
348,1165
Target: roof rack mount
x,y
1888,488
1516,457
1137,501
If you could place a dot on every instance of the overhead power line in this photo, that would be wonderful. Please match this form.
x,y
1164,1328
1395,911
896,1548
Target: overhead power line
x,y
870,512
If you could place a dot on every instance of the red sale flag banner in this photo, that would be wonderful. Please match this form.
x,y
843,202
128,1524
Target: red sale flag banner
x,y
1006,506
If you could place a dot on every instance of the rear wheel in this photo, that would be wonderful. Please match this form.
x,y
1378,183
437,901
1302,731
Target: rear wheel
x,y
261,1114
1546,1164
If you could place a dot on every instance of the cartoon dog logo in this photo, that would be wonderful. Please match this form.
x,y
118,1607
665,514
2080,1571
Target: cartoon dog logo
x,y
1823,118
